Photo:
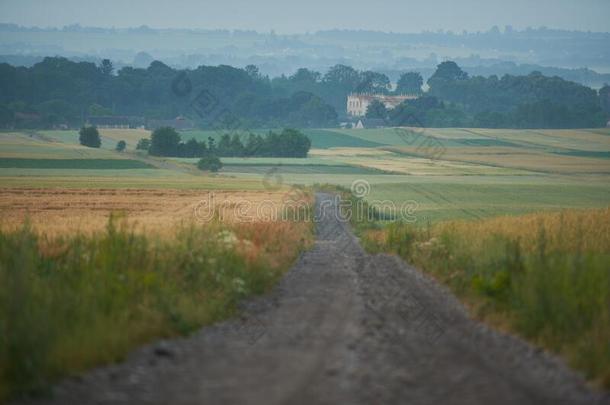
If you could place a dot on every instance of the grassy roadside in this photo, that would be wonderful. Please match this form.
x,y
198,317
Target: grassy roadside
x,y
543,276
70,303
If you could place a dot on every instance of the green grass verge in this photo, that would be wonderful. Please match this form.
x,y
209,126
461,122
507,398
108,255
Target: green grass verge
x,y
71,303
544,276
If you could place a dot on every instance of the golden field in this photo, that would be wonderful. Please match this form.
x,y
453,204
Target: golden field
x,y
60,211
495,159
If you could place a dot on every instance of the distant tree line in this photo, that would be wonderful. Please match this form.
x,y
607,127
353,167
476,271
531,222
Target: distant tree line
x,y
57,92
534,101
288,143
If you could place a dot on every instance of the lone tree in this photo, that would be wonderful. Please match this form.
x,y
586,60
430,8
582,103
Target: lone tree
x,y
120,146
143,144
88,136
209,163
376,110
164,142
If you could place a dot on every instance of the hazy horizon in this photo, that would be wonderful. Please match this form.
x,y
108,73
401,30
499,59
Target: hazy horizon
x,y
292,17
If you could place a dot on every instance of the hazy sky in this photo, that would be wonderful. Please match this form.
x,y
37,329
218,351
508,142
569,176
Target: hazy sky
x,y
290,16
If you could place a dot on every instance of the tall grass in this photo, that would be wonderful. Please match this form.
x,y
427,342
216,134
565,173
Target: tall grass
x,y
545,276
69,303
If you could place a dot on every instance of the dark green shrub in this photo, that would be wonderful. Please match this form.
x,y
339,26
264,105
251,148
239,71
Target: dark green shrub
x,y
88,136
209,163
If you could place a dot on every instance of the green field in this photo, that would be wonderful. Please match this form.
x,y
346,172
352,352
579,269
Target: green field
x,y
479,172
35,145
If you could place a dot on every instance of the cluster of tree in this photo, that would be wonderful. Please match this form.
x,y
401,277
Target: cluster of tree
x,y
58,92
341,80
532,101
427,111
90,137
167,142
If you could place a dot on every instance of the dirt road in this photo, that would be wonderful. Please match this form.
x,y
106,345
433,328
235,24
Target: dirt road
x,y
343,327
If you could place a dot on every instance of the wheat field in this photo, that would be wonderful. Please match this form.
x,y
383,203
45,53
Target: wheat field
x,y
61,211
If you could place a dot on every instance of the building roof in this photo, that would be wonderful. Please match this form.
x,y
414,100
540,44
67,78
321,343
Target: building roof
x,y
115,120
388,97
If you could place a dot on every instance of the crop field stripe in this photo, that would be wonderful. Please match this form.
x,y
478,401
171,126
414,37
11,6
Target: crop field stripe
x,y
96,164
296,169
605,132
585,153
485,142
325,139
435,197
518,143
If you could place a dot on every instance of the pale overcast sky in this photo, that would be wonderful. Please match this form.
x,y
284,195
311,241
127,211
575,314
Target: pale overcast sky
x,y
289,16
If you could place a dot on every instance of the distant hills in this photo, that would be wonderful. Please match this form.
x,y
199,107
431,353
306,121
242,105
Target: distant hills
x,y
583,57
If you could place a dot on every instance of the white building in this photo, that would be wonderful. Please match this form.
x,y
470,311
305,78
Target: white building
x,y
358,103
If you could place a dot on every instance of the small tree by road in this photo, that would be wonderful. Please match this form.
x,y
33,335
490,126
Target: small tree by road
x,y
88,136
